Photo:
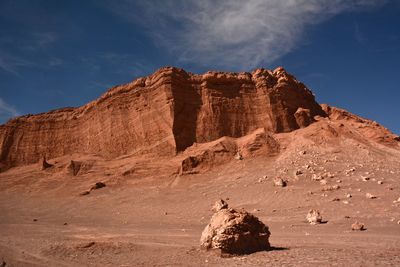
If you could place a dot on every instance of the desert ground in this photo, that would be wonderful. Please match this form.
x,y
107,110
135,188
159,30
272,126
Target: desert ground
x,y
149,214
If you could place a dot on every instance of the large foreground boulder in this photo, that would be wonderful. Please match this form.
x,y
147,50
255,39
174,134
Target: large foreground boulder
x,y
235,232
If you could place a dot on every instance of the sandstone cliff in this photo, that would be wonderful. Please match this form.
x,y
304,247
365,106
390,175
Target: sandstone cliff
x,y
164,114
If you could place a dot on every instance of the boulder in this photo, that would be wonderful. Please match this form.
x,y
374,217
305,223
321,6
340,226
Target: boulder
x,y
357,226
314,217
235,232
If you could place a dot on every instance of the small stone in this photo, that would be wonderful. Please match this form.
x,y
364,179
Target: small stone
x,y
314,217
316,177
35,220
364,178
298,172
338,181
336,199
280,182
380,182
357,226
302,152
238,156
65,223
349,195
370,196
345,202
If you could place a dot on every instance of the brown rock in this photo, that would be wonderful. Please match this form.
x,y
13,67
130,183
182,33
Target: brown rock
x,y
44,164
235,232
357,226
314,217
279,182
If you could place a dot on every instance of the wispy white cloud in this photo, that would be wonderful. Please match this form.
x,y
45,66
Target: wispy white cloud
x,y
11,64
6,111
233,33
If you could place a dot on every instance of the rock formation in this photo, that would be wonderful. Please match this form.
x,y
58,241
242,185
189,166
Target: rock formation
x,y
235,232
164,113
171,110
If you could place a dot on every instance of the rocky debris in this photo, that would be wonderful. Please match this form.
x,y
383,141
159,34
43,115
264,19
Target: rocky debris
x,y
370,196
263,179
298,172
235,232
380,182
323,182
219,205
349,195
238,156
365,178
357,226
280,182
98,185
330,188
314,217
44,164
316,177
302,152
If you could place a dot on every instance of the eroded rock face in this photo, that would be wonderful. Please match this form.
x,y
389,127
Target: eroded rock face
x,y
235,232
163,113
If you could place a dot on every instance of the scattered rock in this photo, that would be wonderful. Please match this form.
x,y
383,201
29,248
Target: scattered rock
x,y
44,164
336,199
263,179
98,185
316,177
280,182
238,156
235,232
298,172
370,196
65,223
323,182
357,226
397,201
364,178
380,182
349,195
219,205
35,220
330,188
314,217
302,152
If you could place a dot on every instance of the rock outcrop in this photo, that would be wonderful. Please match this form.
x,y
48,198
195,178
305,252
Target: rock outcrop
x,y
163,113
235,232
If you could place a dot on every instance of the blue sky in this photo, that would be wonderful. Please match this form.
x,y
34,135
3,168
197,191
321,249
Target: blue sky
x,y
66,53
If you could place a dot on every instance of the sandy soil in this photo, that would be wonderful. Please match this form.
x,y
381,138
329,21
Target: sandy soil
x,y
148,215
